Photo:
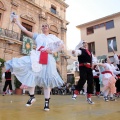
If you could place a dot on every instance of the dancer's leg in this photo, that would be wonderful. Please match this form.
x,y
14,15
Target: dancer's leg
x,y
47,98
31,94
106,92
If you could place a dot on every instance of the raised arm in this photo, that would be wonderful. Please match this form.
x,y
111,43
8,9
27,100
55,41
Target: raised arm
x,y
116,59
28,33
114,70
101,64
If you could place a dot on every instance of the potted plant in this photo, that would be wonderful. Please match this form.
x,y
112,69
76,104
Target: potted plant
x,y
1,65
17,84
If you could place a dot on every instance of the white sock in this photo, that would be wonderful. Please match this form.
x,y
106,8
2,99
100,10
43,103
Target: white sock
x,y
106,92
47,92
74,95
23,91
111,95
31,90
89,99
85,88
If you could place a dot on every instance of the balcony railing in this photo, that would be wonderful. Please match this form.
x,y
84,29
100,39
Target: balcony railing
x,y
9,33
32,0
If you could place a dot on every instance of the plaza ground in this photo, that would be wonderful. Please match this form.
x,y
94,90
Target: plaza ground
x,y
62,107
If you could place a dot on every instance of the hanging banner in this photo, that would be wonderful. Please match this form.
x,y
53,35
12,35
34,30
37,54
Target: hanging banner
x,y
27,45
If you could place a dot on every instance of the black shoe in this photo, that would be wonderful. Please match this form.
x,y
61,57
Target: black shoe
x,y
117,95
4,93
112,99
30,101
11,93
90,101
46,107
98,95
74,98
106,99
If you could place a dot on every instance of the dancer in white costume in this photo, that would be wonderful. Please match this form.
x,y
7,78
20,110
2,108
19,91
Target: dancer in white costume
x,y
108,79
38,68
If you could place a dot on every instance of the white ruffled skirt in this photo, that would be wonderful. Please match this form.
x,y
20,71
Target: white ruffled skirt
x,y
30,73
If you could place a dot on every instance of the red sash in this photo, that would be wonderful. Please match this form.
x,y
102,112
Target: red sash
x,y
43,56
88,51
107,72
85,64
95,76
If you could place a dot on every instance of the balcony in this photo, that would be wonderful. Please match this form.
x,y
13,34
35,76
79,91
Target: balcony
x,y
32,0
9,33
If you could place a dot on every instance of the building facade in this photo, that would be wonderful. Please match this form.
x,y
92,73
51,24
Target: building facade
x,y
32,14
101,33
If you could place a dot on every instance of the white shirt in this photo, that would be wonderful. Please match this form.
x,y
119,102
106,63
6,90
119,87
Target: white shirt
x,y
110,67
95,73
79,52
46,40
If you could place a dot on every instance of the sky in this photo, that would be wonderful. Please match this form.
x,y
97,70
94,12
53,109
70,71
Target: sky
x,y
83,11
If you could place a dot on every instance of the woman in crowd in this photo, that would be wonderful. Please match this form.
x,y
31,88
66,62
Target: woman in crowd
x,y
108,79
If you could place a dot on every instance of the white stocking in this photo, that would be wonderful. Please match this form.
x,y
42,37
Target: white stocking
x,y
85,87
111,95
75,95
47,93
31,90
23,91
106,92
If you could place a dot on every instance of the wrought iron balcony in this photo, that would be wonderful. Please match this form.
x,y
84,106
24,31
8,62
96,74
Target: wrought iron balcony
x,y
9,33
32,0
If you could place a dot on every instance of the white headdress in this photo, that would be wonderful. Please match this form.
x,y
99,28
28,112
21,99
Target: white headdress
x,y
80,45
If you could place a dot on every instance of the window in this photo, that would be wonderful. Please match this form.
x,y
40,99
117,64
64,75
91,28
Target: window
x,y
0,16
96,26
91,47
90,30
32,0
70,78
53,9
99,26
102,25
111,42
109,24
28,27
2,10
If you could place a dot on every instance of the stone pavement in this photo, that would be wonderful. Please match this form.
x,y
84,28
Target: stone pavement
x,y
62,107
